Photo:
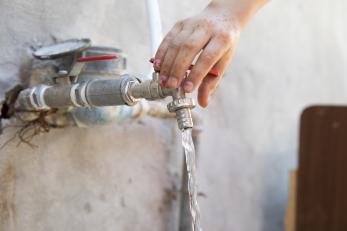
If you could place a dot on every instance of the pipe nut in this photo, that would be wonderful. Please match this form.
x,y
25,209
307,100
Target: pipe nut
x,y
126,92
182,107
178,104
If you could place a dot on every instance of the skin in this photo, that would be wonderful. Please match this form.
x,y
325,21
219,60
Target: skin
x,y
210,38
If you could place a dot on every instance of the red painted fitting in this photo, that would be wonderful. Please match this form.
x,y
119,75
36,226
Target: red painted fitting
x,y
96,58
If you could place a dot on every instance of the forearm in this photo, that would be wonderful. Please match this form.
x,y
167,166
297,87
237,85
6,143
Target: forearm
x,y
240,10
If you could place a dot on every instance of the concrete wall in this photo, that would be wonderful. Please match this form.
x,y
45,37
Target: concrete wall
x,y
115,178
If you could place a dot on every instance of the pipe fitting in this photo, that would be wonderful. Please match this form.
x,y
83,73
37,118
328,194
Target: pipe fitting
x,y
149,89
126,92
181,105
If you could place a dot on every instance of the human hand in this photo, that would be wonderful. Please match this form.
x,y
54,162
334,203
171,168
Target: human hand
x,y
211,37
215,34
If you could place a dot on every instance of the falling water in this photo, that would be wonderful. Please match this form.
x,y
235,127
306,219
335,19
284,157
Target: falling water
x,y
189,152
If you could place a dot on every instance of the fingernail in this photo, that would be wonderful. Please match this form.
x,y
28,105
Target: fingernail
x,y
188,86
172,82
163,80
156,64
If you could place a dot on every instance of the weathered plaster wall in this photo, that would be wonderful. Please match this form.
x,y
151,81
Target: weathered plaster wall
x,y
102,178
293,54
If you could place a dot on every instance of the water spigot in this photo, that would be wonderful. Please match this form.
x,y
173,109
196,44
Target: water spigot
x,y
181,105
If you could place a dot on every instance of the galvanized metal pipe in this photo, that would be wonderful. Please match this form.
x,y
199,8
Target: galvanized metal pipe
x,y
92,93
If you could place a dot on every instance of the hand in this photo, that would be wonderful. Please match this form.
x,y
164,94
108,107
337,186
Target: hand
x,y
213,36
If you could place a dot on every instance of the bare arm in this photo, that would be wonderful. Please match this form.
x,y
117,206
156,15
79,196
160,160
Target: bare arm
x,y
213,35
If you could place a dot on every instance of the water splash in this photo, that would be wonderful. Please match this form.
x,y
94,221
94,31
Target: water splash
x,y
189,152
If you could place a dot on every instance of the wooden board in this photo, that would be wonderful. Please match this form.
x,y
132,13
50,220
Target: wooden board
x,y
322,175
289,220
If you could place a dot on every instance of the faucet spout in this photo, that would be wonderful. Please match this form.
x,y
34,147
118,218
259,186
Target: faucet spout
x,y
182,107
180,104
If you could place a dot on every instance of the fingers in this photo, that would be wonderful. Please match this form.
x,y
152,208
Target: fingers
x,y
213,52
169,58
188,49
167,40
179,49
210,83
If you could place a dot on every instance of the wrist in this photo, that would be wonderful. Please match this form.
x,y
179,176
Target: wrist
x,y
236,10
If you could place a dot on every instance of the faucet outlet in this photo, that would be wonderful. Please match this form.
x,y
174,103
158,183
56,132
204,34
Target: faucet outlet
x,y
181,105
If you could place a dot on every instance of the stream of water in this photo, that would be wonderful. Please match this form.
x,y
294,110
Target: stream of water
x,y
189,152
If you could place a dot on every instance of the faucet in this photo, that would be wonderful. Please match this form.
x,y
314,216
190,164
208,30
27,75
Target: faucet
x,y
151,90
66,91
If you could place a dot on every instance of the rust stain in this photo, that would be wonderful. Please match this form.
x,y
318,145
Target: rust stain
x,y
7,197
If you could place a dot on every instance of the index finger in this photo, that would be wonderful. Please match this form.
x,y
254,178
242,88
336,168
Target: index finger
x,y
164,45
187,52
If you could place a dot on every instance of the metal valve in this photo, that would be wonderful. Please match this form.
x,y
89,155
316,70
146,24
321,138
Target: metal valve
x,y
181,105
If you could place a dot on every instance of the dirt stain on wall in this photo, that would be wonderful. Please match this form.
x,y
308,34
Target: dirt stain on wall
x,y
7,198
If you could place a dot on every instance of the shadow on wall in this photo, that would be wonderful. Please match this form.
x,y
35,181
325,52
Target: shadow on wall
x,y
274,202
